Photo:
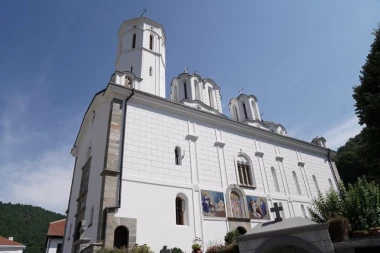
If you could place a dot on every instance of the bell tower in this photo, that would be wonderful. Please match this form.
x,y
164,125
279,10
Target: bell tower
x,y
141,51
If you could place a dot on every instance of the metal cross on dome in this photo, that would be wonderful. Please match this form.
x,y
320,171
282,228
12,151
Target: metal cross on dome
x,y
276,209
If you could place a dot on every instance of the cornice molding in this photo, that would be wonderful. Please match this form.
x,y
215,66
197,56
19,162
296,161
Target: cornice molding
x,y
279,158
192,137
259,153
302,164
221,121
220,144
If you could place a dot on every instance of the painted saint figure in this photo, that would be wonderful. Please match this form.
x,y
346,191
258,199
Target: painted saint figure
x,y
205,203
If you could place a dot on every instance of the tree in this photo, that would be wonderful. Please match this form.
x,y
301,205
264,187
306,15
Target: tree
x,y
360,204
349,161
367,96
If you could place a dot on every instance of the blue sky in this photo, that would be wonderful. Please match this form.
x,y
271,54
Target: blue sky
x,y
300,58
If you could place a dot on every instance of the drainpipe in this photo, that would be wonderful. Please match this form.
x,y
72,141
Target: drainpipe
x,y
332,169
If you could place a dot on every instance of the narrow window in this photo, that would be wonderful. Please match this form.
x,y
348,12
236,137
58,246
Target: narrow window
x,y
197,93
91,216
59,248
303,211
275,181
134,40
296,182
151,42
185,88
128,82
150,71
236,205
121,237
331,184
210,97
177,153
316,184
282,214
245,111
179,214
131,68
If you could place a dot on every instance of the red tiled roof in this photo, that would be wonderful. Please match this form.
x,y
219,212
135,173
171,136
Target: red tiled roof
x,y
6,242
57,228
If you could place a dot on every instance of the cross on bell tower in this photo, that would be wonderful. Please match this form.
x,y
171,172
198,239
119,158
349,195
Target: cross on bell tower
x,y
276,209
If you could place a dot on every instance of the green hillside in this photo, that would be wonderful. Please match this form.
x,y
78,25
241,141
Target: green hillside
x,y
26,224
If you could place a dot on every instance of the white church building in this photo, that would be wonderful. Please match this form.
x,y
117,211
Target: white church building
x,y
164,171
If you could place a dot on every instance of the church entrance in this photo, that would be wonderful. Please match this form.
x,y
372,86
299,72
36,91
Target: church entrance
x,y
289,249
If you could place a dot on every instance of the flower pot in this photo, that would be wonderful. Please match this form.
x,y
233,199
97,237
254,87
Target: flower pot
x,y
374,231
360,233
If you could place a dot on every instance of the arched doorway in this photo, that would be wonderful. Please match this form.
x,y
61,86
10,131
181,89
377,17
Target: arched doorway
x,y
121,237
287,244
289,249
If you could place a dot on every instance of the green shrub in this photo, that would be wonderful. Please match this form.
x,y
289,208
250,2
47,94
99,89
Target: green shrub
x,y
176,250
360,204
231,237
220,248
135,249
196,246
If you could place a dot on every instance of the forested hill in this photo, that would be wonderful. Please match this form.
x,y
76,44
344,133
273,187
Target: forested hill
x,y
26,224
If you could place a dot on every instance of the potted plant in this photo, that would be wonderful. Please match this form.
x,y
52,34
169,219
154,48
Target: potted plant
x,y
338,229
197,248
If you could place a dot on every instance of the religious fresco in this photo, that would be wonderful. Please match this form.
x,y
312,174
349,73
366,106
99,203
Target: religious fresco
x,y
236,205
258,207
213,204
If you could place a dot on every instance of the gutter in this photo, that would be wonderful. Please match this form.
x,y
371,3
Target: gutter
x,y
332,169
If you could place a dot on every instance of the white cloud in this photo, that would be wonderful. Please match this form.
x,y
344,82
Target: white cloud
x,y
35,164
339,134
44,181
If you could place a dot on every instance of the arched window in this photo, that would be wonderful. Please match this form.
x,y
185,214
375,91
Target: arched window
x,y
275,180
131,68
151,42
177,153
296,182
303,211
236,205
185,89
245,172
121,237
210,98
134,40
331,184
91,216
236,114
150,71
316,184
282,214
128,82
179,211
245,111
